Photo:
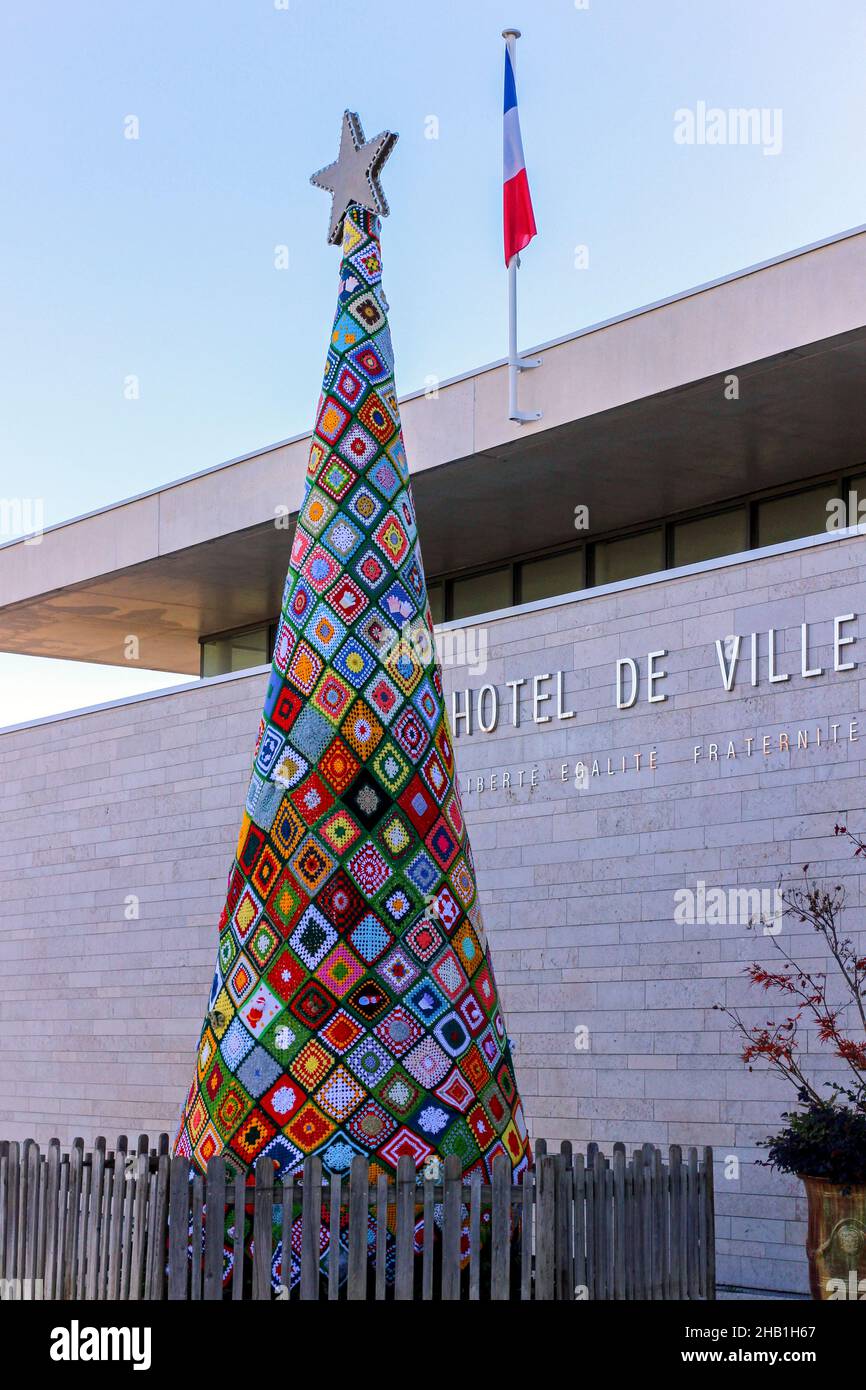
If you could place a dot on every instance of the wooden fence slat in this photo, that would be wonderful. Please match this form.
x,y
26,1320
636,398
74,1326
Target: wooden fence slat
x,y
545,1215
563,1234
117,1207
601,1224
619,1236
263,1227
107,1207
4,1203
658,1215
23,1212
564,1199
475,1236
195,1273
140,1191
157,1225
527,1193
429,1240
500,1230
31,1224
589,1224
637,1182
128,1221
579,1203
381,1235
359,1197
692,1225
240,1204
405,1255
83,1231
177,1197
311,1230
708,1228
73,1216
13,1159
94,1221
52,1214
675,1171
334,1213
42,1236
453,1191
214,1229
289,1186
62,1217
647,1221
150,1221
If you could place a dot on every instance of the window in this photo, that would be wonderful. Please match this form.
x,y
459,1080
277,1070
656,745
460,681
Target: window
x,y
707,537
629,557
436,595
855,501
237,652
483,593
801,514
557,574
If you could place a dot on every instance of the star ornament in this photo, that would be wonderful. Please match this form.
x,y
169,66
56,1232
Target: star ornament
x,y
354,175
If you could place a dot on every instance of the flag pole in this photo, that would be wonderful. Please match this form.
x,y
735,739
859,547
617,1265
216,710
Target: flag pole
x,y
516,363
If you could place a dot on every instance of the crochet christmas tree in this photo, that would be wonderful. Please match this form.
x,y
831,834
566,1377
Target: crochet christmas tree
x,y
354,1007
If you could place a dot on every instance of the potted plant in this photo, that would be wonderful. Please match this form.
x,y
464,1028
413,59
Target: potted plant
x,y
824,1141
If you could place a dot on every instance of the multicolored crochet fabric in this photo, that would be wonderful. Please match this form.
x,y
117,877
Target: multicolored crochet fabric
x,y
354,1007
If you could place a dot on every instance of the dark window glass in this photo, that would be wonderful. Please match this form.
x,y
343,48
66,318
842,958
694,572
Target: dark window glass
x,y
557,574
629,557
707,537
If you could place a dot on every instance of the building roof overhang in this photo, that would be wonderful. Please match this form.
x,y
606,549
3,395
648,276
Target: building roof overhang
x,y
637,423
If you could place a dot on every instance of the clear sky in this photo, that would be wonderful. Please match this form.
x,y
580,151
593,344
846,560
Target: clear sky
x,y
154,257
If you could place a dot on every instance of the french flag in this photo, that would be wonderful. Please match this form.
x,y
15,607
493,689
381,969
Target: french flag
x,y
518,217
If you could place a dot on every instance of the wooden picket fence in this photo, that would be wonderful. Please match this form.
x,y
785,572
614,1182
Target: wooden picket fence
x,y
121,1225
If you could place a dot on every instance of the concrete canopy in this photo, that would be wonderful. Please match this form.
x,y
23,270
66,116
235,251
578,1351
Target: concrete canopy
x,y
636,425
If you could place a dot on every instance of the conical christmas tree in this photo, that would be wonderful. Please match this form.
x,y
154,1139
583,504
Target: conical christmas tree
x,y
354,1008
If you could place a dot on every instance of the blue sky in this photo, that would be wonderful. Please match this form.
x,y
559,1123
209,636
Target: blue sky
x,y
154,257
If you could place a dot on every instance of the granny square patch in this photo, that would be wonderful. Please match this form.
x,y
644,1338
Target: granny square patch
x,y
312,938
317,512
370,363
364,505
371,570
324,630
332,697
354,662
347,600
348,386
305,668
376,419
311,799
369,869
370,937
332,420
383,697
342,537
357,446
311,733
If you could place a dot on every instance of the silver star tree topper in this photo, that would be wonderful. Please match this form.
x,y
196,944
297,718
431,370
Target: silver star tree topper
x,y
354,175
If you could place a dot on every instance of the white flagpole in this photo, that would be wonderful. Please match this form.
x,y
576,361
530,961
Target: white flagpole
x,y
516,363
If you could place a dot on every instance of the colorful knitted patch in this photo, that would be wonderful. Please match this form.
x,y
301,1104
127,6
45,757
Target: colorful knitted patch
x,y
353,1007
